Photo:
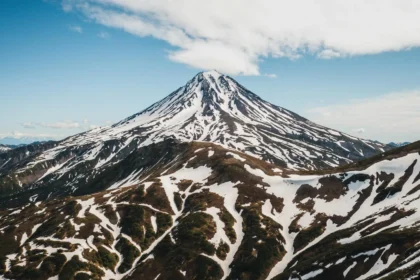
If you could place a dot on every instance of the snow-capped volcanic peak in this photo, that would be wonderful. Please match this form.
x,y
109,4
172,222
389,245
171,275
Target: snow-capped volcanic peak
x,y
204,97
215,108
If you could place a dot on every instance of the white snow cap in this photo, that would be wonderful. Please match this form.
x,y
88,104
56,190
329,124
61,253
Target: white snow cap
x,y
212,73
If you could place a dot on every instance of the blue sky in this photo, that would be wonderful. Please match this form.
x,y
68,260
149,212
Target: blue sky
x,y
68,65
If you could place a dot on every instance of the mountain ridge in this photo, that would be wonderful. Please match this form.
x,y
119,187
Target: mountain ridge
x,y
211,182
211,107
208,212
398,144
16,141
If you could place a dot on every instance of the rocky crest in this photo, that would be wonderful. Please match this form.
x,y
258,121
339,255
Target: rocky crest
x,y
213,213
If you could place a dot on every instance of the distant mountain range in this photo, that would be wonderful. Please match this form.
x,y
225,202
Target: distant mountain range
x,y
6,148
22,140
398,144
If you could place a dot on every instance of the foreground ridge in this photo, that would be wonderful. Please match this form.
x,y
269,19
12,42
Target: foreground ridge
x,y
212,213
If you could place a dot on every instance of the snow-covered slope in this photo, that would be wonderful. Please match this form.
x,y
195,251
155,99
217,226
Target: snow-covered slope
x,y
211,107
215,108
4,148
212,213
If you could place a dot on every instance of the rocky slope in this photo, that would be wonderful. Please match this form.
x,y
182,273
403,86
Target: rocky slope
x,y
17,139
4,148
211,107
212,213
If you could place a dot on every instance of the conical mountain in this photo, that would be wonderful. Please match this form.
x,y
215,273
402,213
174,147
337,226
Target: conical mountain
x,y
152,197
211,107
215,108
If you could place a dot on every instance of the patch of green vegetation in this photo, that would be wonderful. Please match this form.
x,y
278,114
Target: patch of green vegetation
x,y
132,221
195,187
56,244
222,250
178,200
2,264
164,222
194,230
229,221
67,230
53,264
132,195
254,258
155,196
108,240
206,269
8,244
48,228
191,235
232,171
35,256
184,184
202,200
109,213
82,276
129,252
72,208
294,225
88,225
75,265
107,258
102,257
135,222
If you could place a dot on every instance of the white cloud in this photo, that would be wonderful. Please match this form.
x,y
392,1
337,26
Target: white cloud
x,y
65,125
76,28
235,36
390,117
17,134
28,125
359,130
329,54
216,55
61,125
104,35
54,125
271,75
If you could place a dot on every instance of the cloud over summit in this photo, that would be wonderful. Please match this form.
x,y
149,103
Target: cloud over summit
x,y
235,36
